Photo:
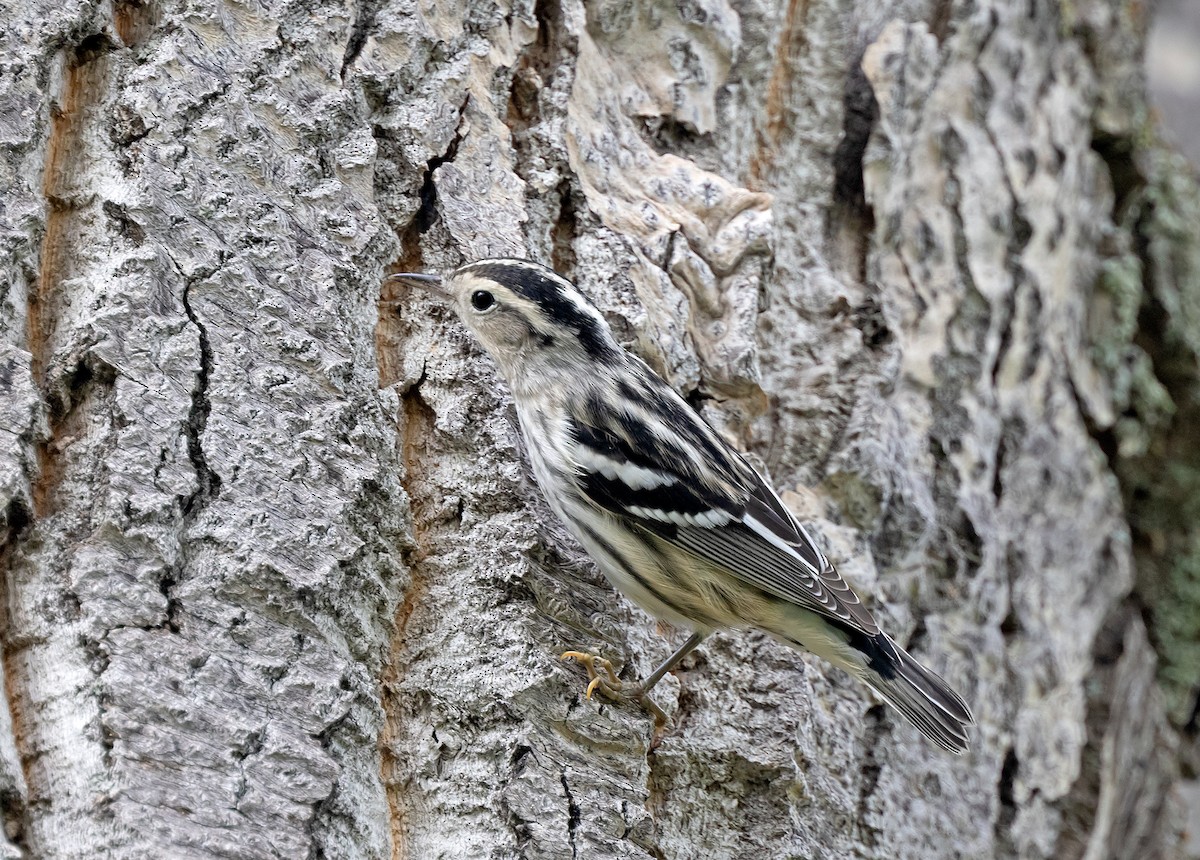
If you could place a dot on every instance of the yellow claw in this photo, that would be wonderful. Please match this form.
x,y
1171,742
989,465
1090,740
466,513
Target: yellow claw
x,y
611,684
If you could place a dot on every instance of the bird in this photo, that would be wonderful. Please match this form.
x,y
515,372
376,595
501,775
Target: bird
x,y
674,516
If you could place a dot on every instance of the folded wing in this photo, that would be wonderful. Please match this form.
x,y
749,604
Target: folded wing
x,y
644,468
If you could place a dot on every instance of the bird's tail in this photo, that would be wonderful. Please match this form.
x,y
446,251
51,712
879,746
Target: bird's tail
x,y
923,697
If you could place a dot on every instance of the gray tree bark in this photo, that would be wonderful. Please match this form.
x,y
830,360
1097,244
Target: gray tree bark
x,y
275,580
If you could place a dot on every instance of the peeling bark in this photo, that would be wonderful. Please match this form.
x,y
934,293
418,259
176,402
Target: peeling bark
x,y
276,582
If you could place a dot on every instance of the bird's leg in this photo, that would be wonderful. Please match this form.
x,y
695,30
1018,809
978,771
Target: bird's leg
x,y
609,684
671,662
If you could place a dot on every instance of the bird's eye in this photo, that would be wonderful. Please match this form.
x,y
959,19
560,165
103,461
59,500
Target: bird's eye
x,y
481,300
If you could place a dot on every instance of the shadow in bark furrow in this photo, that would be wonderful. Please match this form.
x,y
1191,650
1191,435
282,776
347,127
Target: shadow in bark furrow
x,y
84,81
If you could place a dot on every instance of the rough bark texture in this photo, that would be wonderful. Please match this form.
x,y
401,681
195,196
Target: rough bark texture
x,y
275,580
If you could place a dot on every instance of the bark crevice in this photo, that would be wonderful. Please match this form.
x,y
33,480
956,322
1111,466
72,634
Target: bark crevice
x,y
208,482
365,13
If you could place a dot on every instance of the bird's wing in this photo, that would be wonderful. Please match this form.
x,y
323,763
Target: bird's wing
x,y
664,470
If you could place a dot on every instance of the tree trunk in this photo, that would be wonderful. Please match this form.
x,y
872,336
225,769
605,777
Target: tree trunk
x,y
276,582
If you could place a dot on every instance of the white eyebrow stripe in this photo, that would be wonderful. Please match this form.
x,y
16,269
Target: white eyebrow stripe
x,y
577,298
516,263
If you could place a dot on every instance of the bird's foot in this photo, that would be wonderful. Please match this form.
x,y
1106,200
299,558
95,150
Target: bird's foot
x,y
602,677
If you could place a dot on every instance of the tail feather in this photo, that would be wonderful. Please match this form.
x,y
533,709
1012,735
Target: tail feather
x,y
925,699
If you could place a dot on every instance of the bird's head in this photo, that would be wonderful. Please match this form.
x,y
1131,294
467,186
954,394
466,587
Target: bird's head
x,y
525,315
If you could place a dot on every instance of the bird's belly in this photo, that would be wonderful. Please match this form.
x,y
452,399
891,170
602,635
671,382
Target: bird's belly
x,y
642,576
663,581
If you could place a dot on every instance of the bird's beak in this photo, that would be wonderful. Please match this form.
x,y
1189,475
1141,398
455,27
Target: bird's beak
x,y
429,283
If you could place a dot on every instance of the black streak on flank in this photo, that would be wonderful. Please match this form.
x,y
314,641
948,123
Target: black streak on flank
x,y
615,557
545,291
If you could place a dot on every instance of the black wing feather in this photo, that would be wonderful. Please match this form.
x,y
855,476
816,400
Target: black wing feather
x,y
617,496
796,571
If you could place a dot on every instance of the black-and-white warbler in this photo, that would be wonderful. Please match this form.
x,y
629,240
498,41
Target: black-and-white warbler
x,y
676,518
